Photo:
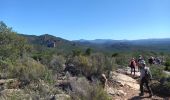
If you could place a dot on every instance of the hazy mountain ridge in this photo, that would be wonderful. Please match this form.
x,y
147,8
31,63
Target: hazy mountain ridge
x,y
140,41
123,45
45,39
107,45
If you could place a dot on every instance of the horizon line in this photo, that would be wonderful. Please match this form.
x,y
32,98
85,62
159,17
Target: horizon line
x,y
98,38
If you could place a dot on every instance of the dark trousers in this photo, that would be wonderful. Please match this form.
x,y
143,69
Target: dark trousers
x,y
146,82
133,70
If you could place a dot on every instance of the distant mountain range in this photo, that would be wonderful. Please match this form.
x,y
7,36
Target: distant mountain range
x,y
137,42
106,45
45,39
123,45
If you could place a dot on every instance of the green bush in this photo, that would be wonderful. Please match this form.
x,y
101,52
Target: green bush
x,y
12,46
157,72
122,59
83,90
161,89
26,69
57,63
99,94
167,64
76,52
88,51
167,68
95,64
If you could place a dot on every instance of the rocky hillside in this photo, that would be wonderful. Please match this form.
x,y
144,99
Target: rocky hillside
x,y
123,86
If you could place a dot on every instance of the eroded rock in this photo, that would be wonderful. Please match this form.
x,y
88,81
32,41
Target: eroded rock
x,y
124,80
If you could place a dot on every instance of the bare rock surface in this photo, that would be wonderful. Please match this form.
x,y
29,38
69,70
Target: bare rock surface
x,y
125,80
127,87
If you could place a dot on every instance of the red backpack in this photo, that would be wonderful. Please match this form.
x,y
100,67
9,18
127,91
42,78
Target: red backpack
x,y
132,63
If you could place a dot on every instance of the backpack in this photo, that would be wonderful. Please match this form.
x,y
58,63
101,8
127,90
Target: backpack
x,y
147,75
132,63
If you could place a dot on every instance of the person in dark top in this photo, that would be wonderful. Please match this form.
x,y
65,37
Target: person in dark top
x,y
151,60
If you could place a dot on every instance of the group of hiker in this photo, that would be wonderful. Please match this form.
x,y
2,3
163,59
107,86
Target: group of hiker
x,y
155,60
145,74
136,63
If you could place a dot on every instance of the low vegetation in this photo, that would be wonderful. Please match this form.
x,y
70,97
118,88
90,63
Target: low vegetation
x,y
36,69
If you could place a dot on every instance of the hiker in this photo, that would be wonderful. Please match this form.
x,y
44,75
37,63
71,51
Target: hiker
x,y
132,65
158,60
140,60
151,60
145,78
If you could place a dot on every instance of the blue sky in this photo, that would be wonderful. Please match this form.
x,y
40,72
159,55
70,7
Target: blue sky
x,y
89,19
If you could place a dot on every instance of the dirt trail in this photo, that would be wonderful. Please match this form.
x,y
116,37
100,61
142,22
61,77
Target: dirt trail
x,y
130,93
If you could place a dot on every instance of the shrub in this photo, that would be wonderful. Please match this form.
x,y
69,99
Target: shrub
x,y
26,69
88,51
167,68
161,88
57,63
115,54
12,46
14,95
83,90
122,58
76,52
157,72
96,64
167,64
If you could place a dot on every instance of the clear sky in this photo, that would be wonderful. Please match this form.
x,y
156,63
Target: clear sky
x,y
89,19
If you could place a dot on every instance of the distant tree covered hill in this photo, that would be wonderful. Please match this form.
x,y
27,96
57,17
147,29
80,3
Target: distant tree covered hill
x,y
129,45
100,45
48,42
46,39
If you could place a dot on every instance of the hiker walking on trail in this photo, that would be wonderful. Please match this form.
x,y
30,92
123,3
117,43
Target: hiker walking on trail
x,y
145,78
139,62
132,65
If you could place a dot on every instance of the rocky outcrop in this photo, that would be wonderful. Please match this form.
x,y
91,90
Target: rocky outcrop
x,y
123,80
118,81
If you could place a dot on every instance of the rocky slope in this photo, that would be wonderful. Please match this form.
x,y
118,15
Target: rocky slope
x,y
126,87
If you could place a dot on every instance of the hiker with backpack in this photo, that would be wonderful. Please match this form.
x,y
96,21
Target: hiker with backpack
x,y
151,60
132,65
139,62
145,78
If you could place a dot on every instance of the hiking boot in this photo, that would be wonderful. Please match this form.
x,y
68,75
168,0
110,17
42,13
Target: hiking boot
x,y
141,94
